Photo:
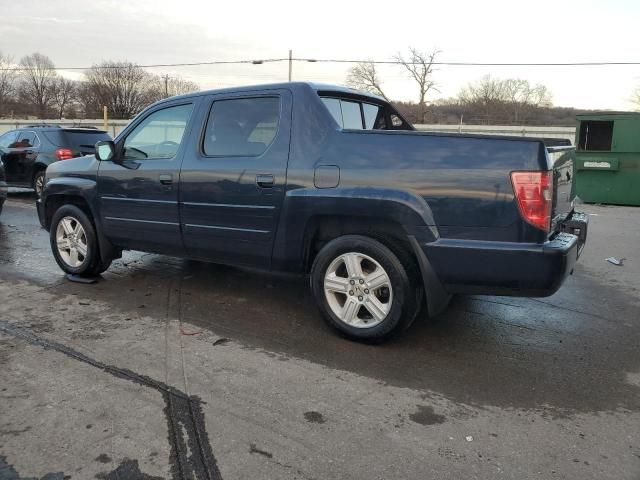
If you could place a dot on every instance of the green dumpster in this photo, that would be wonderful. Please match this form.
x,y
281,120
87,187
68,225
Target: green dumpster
x,y
607,168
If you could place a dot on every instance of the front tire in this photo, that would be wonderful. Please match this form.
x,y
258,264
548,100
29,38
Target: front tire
x,y
74,243
362,289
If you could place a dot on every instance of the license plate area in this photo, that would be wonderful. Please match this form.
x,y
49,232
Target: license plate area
x,y
577,224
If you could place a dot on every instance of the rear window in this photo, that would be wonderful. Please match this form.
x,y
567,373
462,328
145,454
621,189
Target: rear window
x,y
76,139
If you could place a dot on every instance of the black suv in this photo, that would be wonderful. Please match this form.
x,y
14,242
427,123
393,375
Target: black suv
x,y
27,151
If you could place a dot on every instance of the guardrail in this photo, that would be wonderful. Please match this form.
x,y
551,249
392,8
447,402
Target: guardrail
x,y
520,131
116,126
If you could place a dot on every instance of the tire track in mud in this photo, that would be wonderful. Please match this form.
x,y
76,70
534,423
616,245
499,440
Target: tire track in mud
x,y
192,457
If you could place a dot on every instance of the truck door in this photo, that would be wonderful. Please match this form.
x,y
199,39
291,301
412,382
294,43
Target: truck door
x,y
138,193
232,183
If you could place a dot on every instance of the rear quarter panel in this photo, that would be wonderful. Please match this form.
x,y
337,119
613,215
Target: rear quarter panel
x,y
464,180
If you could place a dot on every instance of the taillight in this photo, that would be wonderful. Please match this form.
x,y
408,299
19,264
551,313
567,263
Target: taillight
x,y
64,154
534,194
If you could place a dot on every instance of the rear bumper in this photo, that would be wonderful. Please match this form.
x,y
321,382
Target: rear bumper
x,y
505,268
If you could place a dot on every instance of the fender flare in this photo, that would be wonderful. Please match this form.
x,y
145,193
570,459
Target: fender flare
x,y
410,211
403,207
85,189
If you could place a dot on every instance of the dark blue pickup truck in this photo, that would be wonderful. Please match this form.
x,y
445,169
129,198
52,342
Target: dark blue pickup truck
x,y
328,181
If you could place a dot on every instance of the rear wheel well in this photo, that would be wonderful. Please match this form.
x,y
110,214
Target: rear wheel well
x,y
54,202
322,229
37,169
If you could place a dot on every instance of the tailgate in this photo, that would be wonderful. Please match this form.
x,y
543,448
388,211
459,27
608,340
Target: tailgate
x,y
561,160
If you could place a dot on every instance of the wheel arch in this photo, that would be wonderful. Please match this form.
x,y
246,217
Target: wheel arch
x,y
79,192
306,212
38,167
313,217
321,229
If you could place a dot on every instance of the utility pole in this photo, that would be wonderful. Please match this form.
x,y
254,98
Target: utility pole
x,y
105,118
166,85
290,63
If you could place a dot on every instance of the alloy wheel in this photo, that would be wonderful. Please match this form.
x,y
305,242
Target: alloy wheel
x,y
358,290
71,241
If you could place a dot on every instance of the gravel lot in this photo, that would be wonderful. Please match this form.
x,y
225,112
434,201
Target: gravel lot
x,y
175,369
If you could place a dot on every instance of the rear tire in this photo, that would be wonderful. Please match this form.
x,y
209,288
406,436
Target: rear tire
x,y
74,243
38,182
363,289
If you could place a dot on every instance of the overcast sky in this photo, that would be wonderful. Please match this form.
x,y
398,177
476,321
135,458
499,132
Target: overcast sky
x,y
83,32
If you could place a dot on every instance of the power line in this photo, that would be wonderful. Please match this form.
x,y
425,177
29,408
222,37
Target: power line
x,y
330,60
157,65
472,64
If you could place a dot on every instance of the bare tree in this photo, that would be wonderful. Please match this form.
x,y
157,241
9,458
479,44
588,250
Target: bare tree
x,y
489,94
37,82
522,96
64,94
511,97
485,91
420,67
88,102
123,87
635,98
7,81
166,86
364,76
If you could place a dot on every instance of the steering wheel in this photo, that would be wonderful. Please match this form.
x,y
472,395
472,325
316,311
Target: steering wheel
x,y
137,152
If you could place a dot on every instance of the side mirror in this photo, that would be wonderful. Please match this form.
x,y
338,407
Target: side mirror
x,y
105,150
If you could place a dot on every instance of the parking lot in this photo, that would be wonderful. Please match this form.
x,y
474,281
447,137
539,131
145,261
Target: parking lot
x,y
169,368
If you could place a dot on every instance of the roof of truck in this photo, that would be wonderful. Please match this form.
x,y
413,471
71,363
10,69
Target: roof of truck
x,y
273,86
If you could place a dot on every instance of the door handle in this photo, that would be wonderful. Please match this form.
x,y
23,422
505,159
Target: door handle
x,y
265,181
165,179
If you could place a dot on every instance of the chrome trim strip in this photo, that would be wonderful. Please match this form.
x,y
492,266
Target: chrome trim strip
x,y
227,205
140,221
191,225
106,197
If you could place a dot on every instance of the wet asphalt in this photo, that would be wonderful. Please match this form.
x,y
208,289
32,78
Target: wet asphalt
x,y
566,360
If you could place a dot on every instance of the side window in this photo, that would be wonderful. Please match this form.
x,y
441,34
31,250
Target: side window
x,y
24,139
31,138
159,135
7,140
243,127
349,114
333,105
373,117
